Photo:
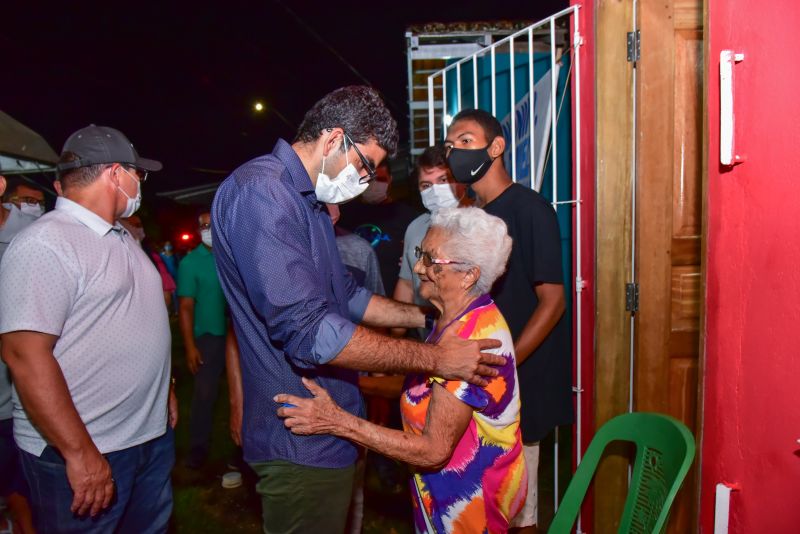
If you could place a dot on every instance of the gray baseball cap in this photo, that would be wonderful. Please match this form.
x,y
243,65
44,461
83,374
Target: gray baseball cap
x,y
100,144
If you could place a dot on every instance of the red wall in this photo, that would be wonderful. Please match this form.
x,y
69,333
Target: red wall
x,y
752,324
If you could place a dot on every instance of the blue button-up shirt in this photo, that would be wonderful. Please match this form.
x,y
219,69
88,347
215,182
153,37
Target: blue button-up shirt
x,y
293,302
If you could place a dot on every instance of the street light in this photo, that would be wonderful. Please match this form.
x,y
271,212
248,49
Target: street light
x,y
259,107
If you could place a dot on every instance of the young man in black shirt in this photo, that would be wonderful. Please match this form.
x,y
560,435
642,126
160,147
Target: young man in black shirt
x,y
531,293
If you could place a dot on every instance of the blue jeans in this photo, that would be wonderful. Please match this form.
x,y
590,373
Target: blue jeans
x,y
143,498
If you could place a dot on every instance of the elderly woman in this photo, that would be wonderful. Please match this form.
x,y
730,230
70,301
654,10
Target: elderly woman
x,y
463,439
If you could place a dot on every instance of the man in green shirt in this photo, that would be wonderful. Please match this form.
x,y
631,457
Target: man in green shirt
x,y
203,327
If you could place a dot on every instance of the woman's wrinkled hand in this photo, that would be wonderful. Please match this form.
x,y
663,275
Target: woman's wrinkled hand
x,y
316,415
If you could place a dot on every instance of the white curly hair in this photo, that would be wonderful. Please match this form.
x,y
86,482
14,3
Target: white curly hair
x,y
477,239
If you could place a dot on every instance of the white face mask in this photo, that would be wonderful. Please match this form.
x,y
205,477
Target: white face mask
x,y
132,203
32,210
346,186
205,236
438,196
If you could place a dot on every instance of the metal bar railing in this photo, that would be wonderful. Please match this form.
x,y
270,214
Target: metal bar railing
x,y
475,80
553,114
494,84
444,107
513,111
458,84
431,111
546,27
541,24
577,41
532,134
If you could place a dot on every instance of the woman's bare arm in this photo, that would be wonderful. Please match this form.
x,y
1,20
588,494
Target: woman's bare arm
x,y
446,422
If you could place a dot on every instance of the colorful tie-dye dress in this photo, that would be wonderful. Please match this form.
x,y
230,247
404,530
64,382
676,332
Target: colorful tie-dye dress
x,y
484,484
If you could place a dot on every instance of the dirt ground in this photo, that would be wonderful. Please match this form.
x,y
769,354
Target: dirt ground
x,y
203,505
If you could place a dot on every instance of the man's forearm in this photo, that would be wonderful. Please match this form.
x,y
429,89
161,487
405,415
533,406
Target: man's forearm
x,y
46,399
385,312
368,351
233,370
546,315
45,396
186,323
451,357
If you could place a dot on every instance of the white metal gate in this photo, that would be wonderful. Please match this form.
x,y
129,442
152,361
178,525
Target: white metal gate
x,y
553,36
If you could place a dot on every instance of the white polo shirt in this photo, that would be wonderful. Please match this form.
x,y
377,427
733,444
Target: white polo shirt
x,y
73,275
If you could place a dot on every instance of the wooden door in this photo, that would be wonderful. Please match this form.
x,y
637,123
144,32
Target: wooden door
x,y
667,228
614,130
669,220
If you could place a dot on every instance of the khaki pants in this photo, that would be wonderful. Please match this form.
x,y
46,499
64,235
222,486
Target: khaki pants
x,y
301,499
529,515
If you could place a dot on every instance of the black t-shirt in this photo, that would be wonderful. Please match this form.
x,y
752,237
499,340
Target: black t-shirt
x,y
392,219
545,379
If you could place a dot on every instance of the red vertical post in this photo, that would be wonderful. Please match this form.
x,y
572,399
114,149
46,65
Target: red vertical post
x,y
586,163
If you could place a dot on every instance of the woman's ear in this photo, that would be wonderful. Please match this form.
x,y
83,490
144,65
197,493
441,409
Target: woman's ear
x,y
471,278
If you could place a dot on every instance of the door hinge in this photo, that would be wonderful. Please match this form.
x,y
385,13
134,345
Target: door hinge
x,y
632,297
634,46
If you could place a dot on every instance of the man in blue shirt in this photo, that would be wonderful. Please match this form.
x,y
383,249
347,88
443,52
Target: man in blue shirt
x,y
295,307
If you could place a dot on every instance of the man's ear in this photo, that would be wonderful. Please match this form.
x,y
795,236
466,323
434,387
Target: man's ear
x,y
332,139
57,186
497,147
113,173
2,185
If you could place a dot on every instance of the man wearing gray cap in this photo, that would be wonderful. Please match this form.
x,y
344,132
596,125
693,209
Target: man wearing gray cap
x,y
86,336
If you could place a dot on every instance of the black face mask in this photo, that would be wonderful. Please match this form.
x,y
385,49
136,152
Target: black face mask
x,y
469,166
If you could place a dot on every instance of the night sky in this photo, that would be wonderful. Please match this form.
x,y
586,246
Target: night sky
x,y
180,79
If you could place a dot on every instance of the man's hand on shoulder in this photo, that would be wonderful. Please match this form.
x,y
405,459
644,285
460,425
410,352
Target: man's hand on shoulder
x,y
462,359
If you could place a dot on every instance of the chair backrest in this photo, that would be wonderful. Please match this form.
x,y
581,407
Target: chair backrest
x,y
664,452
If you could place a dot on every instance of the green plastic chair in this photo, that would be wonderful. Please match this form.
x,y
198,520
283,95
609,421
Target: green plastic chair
x,y
664,452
